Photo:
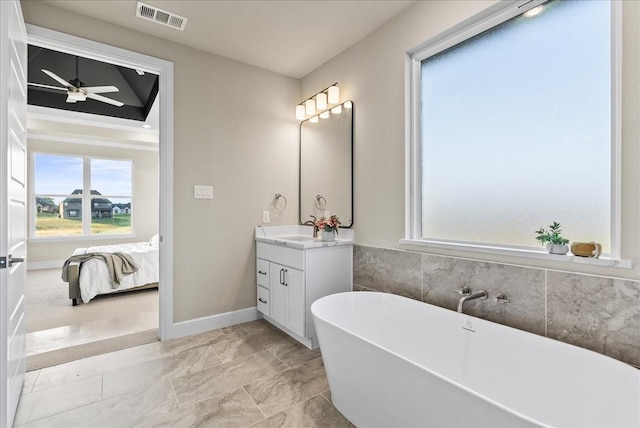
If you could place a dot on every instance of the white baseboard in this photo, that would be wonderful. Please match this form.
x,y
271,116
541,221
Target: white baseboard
x,y
45,265
204,324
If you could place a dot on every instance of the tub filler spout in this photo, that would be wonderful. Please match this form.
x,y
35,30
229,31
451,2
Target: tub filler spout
x,y
482,294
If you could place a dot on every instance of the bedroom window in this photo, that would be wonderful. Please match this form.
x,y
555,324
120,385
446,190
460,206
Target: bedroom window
x,y
513,124
81,196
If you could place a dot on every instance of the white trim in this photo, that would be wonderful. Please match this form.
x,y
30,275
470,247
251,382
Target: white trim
x,y
489,18
164,69
50,264
204,324
151,147
421,245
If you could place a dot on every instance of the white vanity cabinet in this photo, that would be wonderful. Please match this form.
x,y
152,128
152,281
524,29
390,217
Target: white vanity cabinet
x,y
291,277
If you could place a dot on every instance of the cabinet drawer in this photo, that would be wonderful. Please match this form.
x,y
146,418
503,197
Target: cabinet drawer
x,y
263,300
262,273
281,255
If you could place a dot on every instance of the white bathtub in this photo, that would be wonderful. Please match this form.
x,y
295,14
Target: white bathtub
x,y
396,362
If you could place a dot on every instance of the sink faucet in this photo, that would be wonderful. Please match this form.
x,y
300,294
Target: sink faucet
x,y
312,223
482,294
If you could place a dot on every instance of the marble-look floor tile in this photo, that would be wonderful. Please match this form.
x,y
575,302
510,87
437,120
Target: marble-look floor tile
x,y
285,389
295,354
234,409
238,348
41,404
213,337
315,412
257,326
226,377
30,379
86,367
128,410
92,331
391,271
151,372
600,314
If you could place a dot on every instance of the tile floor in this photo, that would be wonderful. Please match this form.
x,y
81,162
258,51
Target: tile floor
x,y
246,375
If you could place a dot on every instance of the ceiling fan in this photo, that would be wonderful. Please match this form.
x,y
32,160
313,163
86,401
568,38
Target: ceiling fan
x,y
77,91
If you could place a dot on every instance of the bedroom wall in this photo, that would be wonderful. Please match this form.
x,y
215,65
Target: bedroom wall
x,y
246,150
145,191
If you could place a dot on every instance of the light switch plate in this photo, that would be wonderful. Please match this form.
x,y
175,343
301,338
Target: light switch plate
x,y
203,192
266,217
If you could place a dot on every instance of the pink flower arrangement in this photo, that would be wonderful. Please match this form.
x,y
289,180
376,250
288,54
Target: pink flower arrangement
x,y
328,224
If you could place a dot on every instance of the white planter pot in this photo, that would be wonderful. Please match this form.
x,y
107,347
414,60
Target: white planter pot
x,y
328,236
557,248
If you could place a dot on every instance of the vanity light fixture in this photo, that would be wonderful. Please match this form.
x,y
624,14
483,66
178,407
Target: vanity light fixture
x,y
324,114
348,104
319,102
334,94
314,119
337,109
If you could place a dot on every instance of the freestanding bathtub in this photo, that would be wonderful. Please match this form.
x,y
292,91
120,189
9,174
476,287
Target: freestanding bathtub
x,y
396,362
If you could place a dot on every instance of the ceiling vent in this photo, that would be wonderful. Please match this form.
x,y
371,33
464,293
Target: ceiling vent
x,y
160,16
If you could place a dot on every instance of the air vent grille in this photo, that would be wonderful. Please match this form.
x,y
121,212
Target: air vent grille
x,y
161,16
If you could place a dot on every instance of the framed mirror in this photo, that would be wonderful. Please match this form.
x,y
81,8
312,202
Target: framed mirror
x,y
326,166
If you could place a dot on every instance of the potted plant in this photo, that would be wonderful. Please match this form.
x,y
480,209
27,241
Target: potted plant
x,y
328,226
552,239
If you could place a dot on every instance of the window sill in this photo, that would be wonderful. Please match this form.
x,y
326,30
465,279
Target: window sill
x,y
78,238
417,245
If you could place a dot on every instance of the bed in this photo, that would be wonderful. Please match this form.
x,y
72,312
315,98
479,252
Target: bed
x,y
91,278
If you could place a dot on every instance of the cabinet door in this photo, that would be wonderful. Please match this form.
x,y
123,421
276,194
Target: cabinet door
x,y
279,293
294,279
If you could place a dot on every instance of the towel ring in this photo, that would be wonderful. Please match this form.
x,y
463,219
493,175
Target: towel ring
x,y
276,198
320,202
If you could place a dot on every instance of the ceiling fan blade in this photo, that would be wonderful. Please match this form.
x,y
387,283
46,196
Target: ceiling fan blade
x,y
38,85
57,78
100,89
105,99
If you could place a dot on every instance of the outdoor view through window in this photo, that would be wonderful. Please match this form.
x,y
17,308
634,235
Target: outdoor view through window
x,y
516,130
61,196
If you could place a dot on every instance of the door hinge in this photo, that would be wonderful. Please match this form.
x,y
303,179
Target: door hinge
x,y
3,262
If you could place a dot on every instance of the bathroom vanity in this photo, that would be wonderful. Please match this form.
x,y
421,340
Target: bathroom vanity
x,y
293,270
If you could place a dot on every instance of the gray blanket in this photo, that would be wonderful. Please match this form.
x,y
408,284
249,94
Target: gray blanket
x,y
119,265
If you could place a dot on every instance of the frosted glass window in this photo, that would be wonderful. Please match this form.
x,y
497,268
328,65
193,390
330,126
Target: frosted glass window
x,y
515,129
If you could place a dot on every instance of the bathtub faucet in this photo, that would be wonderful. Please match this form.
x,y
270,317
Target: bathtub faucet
x,y
482,294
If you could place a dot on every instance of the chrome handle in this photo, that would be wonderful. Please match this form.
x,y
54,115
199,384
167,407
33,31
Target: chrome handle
x,y
501,298
281,276
12,260
286,282
262,300
262,273
464,291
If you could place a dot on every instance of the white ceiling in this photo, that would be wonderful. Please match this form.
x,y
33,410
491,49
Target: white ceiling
x,y
290,37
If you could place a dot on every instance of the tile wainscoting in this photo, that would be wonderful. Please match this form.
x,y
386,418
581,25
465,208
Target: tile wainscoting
x,y
598,313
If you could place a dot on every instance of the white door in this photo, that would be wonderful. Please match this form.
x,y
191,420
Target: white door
x,y
13,205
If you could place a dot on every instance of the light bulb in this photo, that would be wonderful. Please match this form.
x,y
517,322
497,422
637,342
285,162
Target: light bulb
x,y
300,112
321,101
314,119
324,115
533,12
336,110
310,107
348,105
334,94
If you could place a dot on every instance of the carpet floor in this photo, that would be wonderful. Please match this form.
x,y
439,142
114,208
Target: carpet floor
x,y
58,332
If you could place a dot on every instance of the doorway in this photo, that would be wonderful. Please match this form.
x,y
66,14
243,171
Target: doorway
x,y
76,46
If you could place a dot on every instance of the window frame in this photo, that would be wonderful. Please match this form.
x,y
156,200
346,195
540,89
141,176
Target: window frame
x,y
86,200
471,27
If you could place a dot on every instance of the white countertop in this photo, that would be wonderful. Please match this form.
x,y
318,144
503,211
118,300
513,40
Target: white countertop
x,y
300,237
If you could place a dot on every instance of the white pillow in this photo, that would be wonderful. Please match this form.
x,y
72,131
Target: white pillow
x,y
155,240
